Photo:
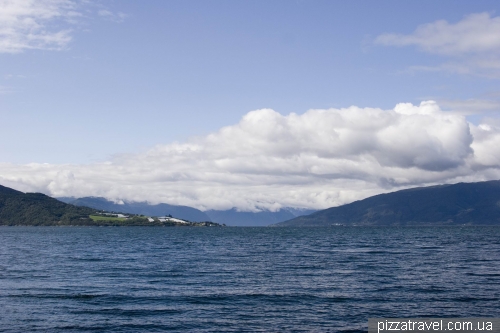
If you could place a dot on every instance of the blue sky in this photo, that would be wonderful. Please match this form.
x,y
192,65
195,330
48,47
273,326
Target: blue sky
x,y
90,84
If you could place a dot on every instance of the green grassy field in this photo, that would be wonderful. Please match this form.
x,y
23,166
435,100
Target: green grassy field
x,y
106,218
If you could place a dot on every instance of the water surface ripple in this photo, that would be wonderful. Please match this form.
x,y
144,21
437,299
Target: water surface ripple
x,y
157,279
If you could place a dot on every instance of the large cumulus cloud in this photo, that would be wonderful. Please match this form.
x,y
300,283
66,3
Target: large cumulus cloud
x,y
318,159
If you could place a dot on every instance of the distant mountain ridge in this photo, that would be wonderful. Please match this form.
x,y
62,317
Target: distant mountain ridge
x,y
231,217
462,203
181,212
263,218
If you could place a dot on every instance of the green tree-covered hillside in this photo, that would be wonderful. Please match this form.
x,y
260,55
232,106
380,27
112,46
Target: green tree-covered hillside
x,y
456,204
18,208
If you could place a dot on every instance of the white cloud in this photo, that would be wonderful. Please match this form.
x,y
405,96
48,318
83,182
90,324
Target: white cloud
x,y
476,33
30,24
473,42
319,159
6,90
471,106
43,24
486,144
109,15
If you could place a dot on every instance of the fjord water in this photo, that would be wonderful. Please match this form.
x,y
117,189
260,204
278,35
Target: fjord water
x,y
133,279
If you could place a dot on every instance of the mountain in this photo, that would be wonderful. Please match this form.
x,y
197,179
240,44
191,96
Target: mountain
x,y
18,208
232,217
66,199
142,208
462,203
37,209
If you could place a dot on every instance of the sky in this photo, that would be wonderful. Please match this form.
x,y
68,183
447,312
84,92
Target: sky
x,y
256,105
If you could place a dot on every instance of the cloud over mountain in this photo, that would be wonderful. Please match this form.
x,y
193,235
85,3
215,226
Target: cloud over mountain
x,y
318,159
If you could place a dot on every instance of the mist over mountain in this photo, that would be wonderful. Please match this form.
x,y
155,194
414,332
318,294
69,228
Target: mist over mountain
x,y
462,203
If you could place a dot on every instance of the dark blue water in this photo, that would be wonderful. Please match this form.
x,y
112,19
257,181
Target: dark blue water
x,y
242,279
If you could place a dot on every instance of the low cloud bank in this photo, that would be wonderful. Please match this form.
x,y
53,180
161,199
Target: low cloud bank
x,y
318,159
